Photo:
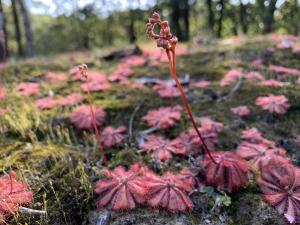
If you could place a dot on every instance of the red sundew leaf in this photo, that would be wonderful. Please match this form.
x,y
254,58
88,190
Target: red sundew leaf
x,y
157,55
28,89
286,44
296,49
259,155
201,84
284,70
231,77
275,104
272,83
160,56
187,143
164,117
76,72
252,135
255,75
81,118
95,86
279,38
141,169
210,138
191,142
3,66
93,76
214,126
169,192
166,91
280,184
12,195
55,77
111,136
257,63
161,148
241,111
137,86
70,100
2,92
117,78
122,190
229,173
123,70
46,103
189,177
124,81
134,61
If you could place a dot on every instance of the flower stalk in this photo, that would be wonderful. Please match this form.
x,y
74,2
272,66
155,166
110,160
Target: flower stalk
x,y
84,74
168,41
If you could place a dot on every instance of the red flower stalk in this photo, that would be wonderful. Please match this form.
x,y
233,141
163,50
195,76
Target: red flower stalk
x,y
168,41
84,73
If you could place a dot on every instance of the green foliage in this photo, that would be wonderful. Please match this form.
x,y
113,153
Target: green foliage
x,y
89,27
289,17
220,199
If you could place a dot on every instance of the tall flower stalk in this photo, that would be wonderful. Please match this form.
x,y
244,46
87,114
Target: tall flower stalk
x,y
84,74
168,41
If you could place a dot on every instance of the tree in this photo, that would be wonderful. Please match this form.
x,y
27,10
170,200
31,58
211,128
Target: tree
x,y
186,19
220,8
3,35
180,18
131,30
243,17
86,18
211,15
290,16
17,27
175,17
27,27
231,14
266,10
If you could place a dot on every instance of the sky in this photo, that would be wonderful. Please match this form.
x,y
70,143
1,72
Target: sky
x,y
54,7
57,7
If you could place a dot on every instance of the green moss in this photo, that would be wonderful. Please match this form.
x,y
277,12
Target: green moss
x,y
60,164
125,157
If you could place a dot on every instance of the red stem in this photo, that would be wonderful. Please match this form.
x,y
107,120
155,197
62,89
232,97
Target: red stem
x,y
90,99
172,65
11,183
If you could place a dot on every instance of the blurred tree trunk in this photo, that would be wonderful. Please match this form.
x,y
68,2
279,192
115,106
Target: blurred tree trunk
x,y
234,28
221,6
186,20
211,15
109,33
243,17
175,17
3,36
297,27
17,27
28,33
269,17
131,30
86,41
180,18
267,9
